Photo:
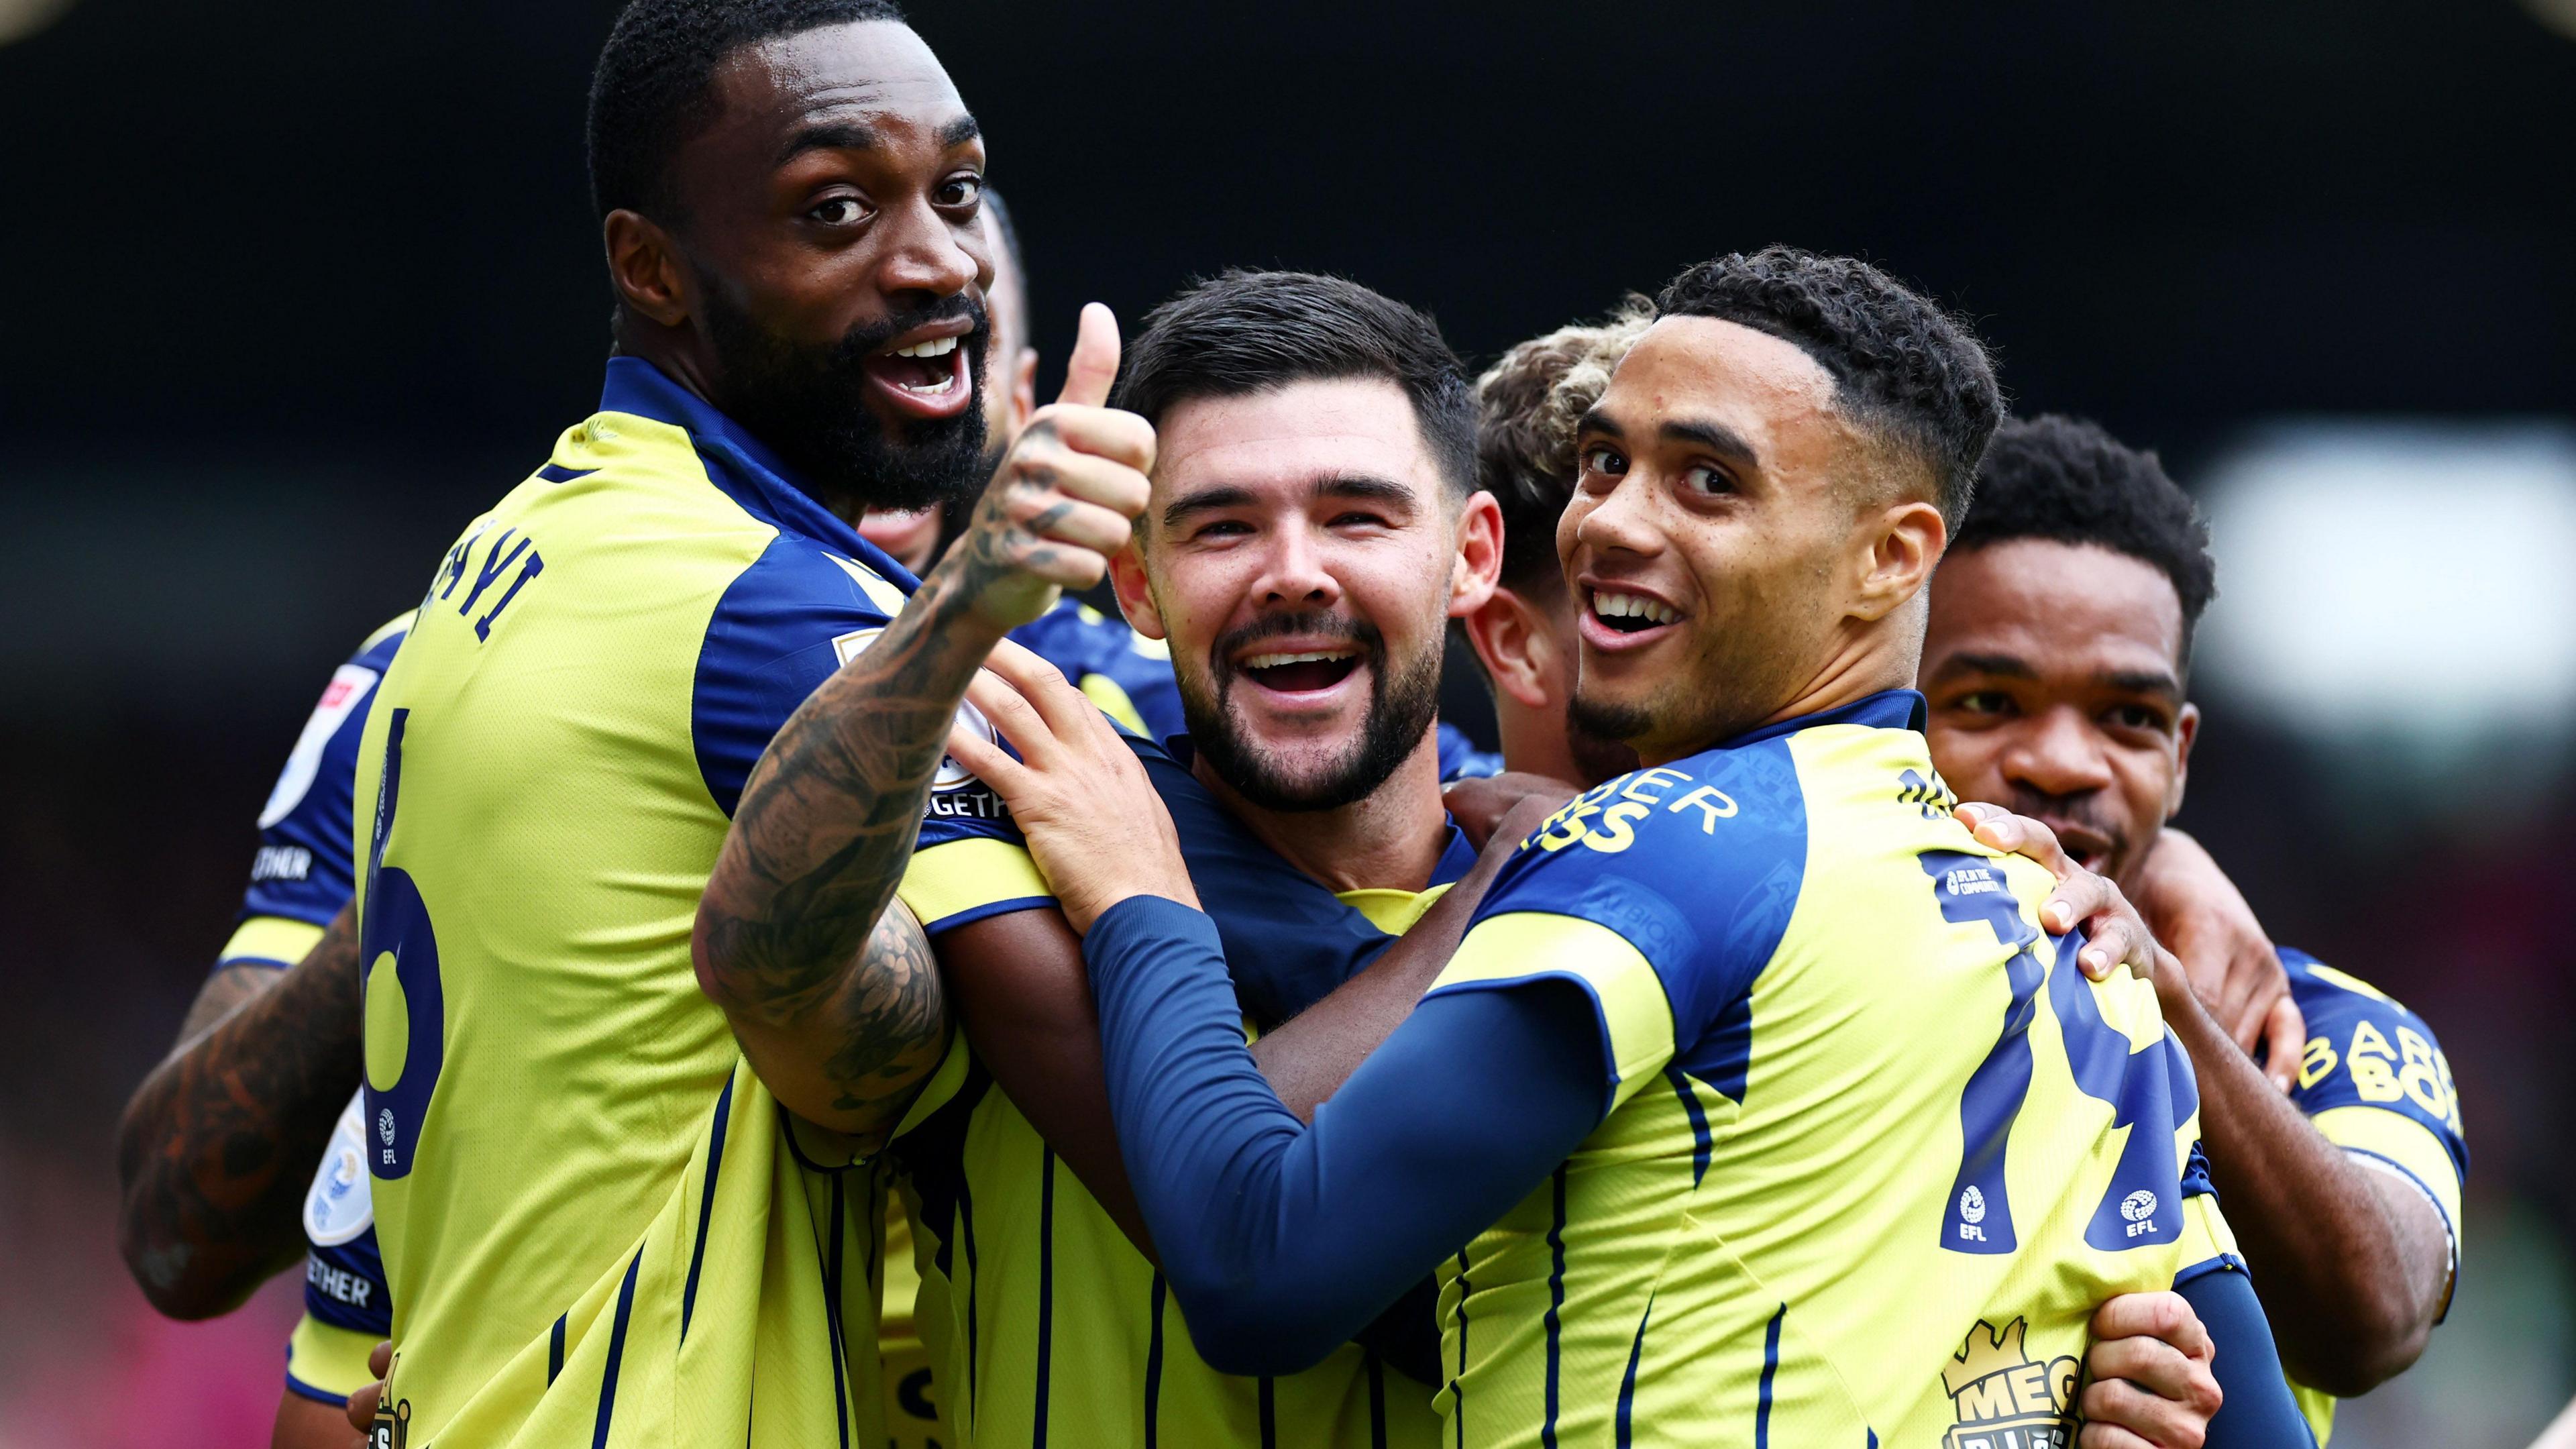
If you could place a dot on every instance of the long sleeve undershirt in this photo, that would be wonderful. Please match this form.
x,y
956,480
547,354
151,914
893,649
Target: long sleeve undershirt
x,y
1280,1240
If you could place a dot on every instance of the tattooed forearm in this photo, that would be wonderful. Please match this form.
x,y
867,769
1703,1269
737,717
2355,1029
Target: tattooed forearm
x,y
219,1143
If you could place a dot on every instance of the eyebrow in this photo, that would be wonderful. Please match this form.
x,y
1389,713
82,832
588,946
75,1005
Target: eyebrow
x,y
852,136
1716,437
1364,487
2155,682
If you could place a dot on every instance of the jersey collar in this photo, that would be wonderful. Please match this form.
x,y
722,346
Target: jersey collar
x,y
741,465
1889,709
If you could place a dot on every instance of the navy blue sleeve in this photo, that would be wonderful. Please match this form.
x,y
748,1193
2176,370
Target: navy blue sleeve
x,y
2259,1412
303,871
1289,941
1280,1240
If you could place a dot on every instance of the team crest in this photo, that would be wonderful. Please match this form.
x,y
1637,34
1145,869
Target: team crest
x,y
2005,1399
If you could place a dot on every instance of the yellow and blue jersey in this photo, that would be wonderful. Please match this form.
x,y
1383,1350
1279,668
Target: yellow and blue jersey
x,y
2374,1081
1873,1147
596,1223
300,879
1045,1323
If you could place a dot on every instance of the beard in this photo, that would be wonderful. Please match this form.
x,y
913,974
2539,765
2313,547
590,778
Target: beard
x,y
1736,678
808,403
1403,702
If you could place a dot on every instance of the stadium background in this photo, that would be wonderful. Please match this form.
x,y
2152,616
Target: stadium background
x,y
296,288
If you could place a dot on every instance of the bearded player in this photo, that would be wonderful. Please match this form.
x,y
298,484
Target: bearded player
x,y
1788,513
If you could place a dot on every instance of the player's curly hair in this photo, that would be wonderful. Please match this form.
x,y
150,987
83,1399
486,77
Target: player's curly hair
x,y
1527,405
2066,480
649,93
1250,331
1900,364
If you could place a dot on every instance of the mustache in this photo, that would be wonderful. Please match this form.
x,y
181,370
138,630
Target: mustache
x,y
1329,626
2079,810
868,338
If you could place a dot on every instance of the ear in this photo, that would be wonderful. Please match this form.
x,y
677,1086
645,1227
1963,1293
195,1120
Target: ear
x,y
2186,730
1479,560
1024,388
644,265
1135,595
1905,544
1507,634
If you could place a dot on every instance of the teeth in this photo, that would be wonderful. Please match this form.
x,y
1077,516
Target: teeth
x,y
1631,606
940,348
1310,656
933,390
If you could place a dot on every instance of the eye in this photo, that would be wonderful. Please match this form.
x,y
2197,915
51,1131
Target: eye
x,y
1356,520
2138,717
1605,461
1708,481
840,211
1984,701
961,190
1223,528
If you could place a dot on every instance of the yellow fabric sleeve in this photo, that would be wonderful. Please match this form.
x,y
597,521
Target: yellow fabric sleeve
x,y
1524,946
276,940
323,1362
962,877
2401,1140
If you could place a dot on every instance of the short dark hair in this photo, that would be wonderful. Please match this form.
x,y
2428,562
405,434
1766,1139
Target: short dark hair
x,y
1900,364
1527,407
2067,481
651,93
1251,331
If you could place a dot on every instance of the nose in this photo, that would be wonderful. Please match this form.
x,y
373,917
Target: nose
x,y
927,254
1618,519
2057,753
1293,575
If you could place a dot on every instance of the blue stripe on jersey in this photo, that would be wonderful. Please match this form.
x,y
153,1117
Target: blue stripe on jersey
x,y
832,1313
557,473
706,1206
1269,1413
1154,1364
1458,1386
1700,1145
1046,1295
1628,1380
1555,1308
554,1350
1770,1366
1377,1402
616,1352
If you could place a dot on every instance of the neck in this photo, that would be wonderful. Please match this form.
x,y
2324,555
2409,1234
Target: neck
x,y
1534,740
1388,839
1871,661
680,359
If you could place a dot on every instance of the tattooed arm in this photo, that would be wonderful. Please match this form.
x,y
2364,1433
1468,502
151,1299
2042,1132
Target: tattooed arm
x,y
827,820
218,1145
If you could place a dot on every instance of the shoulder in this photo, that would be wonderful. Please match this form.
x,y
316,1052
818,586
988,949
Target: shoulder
x,y
785,622
1696,864
2365,1050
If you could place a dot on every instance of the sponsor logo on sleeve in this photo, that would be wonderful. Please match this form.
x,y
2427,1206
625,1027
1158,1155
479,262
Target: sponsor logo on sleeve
x,y
2002,1398
348,688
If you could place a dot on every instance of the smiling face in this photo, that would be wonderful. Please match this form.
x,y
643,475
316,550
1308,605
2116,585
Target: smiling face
x,y
1301,558
2054,673
1720,529
835,263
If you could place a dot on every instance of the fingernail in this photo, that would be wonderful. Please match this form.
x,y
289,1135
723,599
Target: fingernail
x,y
2062,913
2096,959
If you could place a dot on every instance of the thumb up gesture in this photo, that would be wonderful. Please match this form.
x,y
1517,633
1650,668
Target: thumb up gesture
x,y
1065,495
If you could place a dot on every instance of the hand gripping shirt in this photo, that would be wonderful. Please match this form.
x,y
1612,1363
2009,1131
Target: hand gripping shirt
x,y
597,1224
2374,1080
299,879
1045,1325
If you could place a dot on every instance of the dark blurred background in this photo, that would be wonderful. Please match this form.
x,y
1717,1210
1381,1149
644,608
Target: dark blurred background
x,y
297,288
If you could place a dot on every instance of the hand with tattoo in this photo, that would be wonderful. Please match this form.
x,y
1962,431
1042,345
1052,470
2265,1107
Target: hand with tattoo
x,y
841,1028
